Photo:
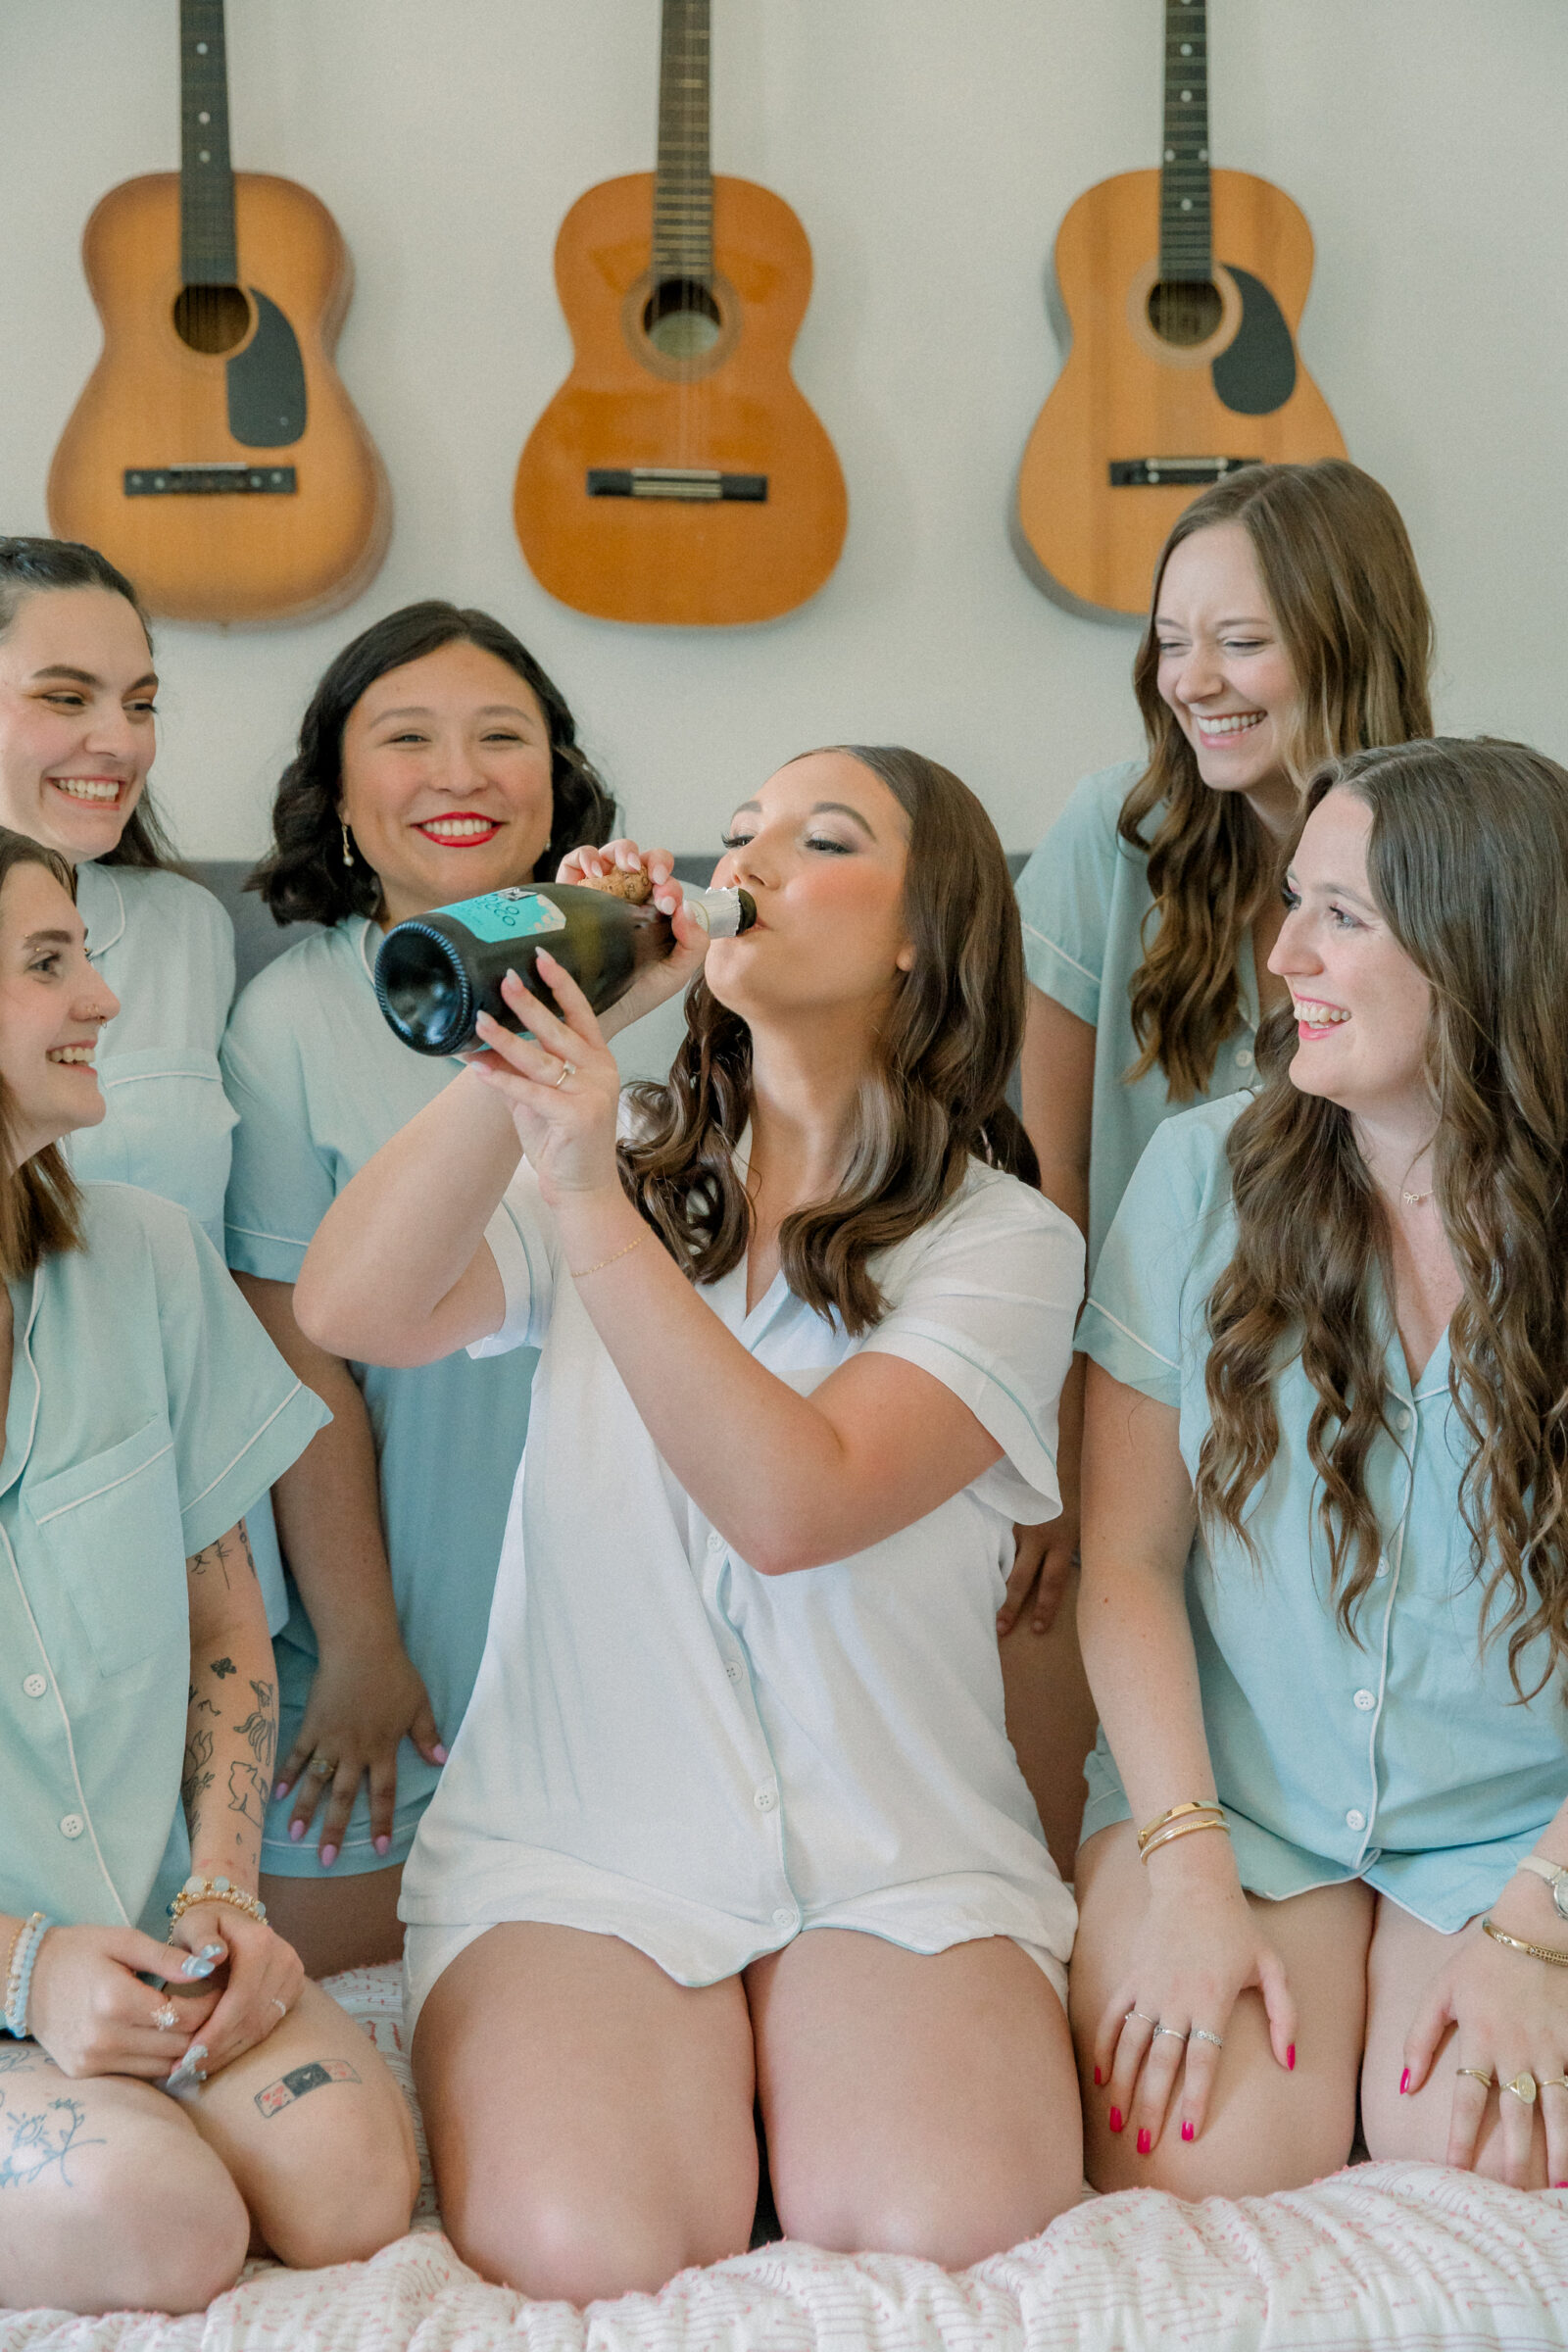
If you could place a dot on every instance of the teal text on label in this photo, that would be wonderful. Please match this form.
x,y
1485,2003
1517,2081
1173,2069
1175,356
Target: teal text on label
x,y
508,914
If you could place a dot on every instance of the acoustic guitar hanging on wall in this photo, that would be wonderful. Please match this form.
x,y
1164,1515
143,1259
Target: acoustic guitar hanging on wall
x,y
214,454
678,475
1183,289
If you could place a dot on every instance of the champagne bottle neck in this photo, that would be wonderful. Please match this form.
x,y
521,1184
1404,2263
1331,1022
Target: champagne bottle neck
x,y
722,913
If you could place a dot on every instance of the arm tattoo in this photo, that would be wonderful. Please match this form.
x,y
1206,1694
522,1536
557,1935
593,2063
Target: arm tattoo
x,y
225,1554
222,1666
198,1776
259,1726
248,1791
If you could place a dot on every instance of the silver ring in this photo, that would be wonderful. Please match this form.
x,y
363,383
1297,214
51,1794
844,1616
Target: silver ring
x,y
1203,2034
1171,2030
568,1069
165,2017
1148,2020
280,2006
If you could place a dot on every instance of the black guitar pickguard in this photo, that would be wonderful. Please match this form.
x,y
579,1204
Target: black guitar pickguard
x,y
1257,373
266,383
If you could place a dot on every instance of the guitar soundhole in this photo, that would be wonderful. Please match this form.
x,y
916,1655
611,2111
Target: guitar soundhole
x,y
211,319
1185,312
681,320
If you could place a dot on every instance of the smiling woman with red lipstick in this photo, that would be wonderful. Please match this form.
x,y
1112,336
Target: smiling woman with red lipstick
x,y
1287,625
1324,1602
436,761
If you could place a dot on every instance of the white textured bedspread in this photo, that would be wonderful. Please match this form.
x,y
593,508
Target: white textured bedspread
x,y
1404,2255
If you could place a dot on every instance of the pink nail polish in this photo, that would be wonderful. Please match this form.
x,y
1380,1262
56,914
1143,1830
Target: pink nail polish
x,y
1098,2078
1186,2132
1145,2143
328,1856
439,1753
296,1830
1404,2082
1117,2121
1560,2185
1290,2058
281,1787
382,1844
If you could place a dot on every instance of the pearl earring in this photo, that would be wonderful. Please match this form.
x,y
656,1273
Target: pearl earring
x,y
348,850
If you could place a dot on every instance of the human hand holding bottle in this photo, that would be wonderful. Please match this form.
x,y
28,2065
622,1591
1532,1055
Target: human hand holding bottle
x,y
656,983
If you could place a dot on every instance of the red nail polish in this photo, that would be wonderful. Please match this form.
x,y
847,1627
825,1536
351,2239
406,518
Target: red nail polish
x,y
1098,2078
1290,2058
1145,2143
1560,2185
1187,2130
1117,2119
1404,2082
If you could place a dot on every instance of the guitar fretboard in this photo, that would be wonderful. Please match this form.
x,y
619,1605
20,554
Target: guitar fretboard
x,y
206,251
683,185
1186,246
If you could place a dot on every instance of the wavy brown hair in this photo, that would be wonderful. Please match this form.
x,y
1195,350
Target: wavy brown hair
x,y
1467,860
936,1099
41,1206
1343,586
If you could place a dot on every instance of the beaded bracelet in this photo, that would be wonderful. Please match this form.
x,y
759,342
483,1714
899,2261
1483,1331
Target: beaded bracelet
x,y
197,1889
18,1977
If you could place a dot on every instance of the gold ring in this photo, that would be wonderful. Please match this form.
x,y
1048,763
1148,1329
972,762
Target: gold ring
x,y
165,2017
1552,2083
1478,2072
1522,2087
568,1069
322,1769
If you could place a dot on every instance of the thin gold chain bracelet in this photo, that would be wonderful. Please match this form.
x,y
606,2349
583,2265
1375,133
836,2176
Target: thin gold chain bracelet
x,y
1516,1943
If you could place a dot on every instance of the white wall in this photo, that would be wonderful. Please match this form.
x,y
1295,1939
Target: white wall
x,y
930,148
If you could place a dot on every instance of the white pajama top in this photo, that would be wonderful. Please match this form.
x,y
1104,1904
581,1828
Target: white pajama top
x,y
665,1745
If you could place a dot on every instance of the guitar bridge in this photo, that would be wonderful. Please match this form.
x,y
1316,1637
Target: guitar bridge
x,y
224,478
1154,474
675,482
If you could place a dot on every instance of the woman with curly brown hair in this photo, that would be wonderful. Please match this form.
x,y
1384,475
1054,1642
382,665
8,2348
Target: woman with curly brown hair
x,y
1325,1605
733,1813
435,761
1287,625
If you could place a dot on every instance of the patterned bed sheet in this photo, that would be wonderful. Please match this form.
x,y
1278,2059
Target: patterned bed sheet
x,y
1410,2256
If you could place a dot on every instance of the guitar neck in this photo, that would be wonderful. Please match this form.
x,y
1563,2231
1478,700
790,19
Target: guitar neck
x,y
683,182
1186,235
207,253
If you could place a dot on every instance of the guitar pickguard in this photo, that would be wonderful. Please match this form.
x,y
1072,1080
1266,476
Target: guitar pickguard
x,y
1255,374
266,383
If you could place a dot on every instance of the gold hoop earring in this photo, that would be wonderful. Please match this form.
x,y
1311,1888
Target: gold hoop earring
x,y
348,846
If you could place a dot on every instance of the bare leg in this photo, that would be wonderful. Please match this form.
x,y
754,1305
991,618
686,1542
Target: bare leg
x,y
1051,1722
315,2132
337,1922
914,2103
1405,1954
589,2118
109,2200
1266,2129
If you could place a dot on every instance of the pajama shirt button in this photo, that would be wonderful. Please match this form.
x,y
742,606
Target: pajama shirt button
x,y
1356,1819
1243,1060
72,1826
784,1919
734,1669
715,1543
35,1685
765,1800
1383,1567
1367,1700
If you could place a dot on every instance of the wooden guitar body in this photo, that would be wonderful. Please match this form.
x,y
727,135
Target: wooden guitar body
x,y
1126,395
246,553
733,412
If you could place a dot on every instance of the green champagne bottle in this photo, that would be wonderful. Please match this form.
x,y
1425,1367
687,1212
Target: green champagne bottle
x,y
437,973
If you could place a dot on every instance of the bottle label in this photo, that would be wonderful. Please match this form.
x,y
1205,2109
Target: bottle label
x,y
503,914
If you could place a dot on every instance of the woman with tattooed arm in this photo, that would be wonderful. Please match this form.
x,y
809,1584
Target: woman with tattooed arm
x,y
161,2042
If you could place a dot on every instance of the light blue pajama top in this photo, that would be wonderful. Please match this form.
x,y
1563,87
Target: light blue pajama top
x,y
1084,899
148,1411
166,949
321,1083
1400,1756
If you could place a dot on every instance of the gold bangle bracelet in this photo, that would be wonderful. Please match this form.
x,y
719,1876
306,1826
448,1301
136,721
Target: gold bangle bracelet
x,y
581,1273
1183,1828
1516,1943
1194,1804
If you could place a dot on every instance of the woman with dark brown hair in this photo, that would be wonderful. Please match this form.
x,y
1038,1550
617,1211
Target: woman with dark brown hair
x,y
1325,1602
1287,625
733,1814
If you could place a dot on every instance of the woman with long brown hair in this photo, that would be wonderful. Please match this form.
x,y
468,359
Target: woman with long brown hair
x,y
1287,625
1325,1603
732,1813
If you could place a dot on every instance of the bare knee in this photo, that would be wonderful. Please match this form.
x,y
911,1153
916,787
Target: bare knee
x,y
164,2234
559,2249
354,2197
949,2221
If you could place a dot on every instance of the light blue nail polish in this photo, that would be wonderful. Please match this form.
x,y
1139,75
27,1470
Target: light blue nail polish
x,y
200,1968
211,1952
